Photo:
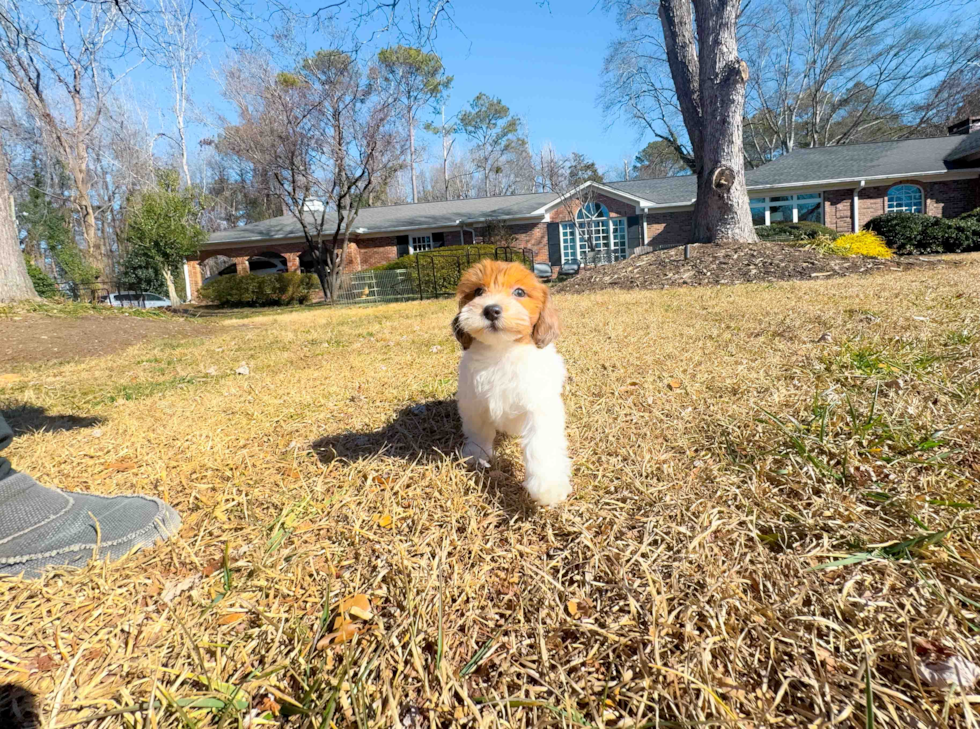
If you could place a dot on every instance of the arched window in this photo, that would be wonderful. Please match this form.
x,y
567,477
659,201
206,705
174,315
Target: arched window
x,y
594,238
592,211
905,199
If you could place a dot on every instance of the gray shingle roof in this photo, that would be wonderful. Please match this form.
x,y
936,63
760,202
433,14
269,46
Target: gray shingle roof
x,y
662,190
905,158
400,217
968,147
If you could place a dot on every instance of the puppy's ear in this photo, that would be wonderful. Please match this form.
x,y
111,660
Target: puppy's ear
x,y
546,328
465,339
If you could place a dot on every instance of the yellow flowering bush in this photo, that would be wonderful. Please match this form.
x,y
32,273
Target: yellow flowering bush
x,y
864,243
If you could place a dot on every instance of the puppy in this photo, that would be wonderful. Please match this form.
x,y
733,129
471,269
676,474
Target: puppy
x,y
511,375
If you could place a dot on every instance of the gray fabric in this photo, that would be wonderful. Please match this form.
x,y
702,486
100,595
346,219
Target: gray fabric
x,y
42,527
6,435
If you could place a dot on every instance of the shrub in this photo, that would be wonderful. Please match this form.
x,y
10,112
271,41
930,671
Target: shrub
x,y
915,233
864,243
278,289
972,215
803,230
440,269
43,284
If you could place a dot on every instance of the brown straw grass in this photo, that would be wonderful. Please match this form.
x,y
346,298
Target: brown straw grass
x,y
721,453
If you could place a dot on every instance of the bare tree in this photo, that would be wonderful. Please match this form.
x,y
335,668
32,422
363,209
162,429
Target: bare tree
x,y
326,133
179,50
64,69
835,71
446,131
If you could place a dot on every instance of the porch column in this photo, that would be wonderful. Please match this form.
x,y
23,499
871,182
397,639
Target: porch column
x,y
856,209
292,261
241,265
193,278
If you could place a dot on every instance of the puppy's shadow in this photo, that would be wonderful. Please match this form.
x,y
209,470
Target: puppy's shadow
x,y
425,433
18,708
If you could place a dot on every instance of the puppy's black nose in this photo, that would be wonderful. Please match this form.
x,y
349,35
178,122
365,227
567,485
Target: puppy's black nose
x,y
492,312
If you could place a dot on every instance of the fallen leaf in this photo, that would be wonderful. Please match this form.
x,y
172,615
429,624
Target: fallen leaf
x,y
174,589
572,608
385,521
824,338
122,466
292,473
346,632
243,370
231,618
42,663
214,566
674,385
269,704
952,671
357,605
211,371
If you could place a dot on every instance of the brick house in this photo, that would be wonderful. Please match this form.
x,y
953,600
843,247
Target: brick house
x,y
842,187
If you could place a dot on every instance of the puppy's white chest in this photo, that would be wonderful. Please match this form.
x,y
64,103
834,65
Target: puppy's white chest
x,y
507,383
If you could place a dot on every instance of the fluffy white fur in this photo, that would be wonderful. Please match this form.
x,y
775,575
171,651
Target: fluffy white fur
x,y
515,388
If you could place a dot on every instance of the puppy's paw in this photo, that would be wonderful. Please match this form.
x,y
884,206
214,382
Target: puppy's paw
x,y
475,456
545,491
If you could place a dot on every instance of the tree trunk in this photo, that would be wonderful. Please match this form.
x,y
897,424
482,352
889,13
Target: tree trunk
x,y
15,283
411,153
709,79
168,276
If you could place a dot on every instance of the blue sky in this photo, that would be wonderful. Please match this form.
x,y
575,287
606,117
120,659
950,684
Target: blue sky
x,y
544,62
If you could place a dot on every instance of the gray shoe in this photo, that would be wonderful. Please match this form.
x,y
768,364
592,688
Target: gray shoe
x,y
42,527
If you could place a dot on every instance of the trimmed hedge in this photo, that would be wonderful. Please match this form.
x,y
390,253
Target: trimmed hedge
x,y
972,215
440,268
919,234
803,230
278,289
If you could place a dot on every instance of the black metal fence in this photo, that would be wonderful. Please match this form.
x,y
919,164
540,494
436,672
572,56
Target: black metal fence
x,y
438,273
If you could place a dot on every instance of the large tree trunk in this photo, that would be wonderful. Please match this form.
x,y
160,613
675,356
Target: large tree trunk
x,y
15,284
709,79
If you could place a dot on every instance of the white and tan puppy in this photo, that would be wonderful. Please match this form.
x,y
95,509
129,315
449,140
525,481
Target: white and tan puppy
x,y
511,375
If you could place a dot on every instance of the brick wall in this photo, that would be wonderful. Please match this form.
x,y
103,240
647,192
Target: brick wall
x,y
942,198
669,229
567,210
377,251
526,235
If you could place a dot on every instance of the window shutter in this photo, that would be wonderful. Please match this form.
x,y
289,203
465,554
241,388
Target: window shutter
x,y
401,243
634,233
438,240
554,244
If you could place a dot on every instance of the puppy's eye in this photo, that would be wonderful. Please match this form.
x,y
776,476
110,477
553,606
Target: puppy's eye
x,y
520,293
479,292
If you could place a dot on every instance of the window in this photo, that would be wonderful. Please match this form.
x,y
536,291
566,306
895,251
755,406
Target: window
x,y
420,243
787,209
904,199
594,238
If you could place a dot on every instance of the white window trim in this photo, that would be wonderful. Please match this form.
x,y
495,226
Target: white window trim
x,y
794,201
922,196
579,235
427,238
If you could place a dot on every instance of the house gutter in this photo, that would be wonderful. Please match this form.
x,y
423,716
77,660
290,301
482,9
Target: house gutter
x,y
855,214
187,282
462,230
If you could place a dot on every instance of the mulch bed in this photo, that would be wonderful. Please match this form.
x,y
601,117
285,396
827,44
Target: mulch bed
x,y
731,263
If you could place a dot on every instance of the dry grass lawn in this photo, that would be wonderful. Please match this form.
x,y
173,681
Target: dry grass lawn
x,y
339,567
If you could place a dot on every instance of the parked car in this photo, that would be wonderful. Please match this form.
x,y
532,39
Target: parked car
x,y
259,265
134,300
